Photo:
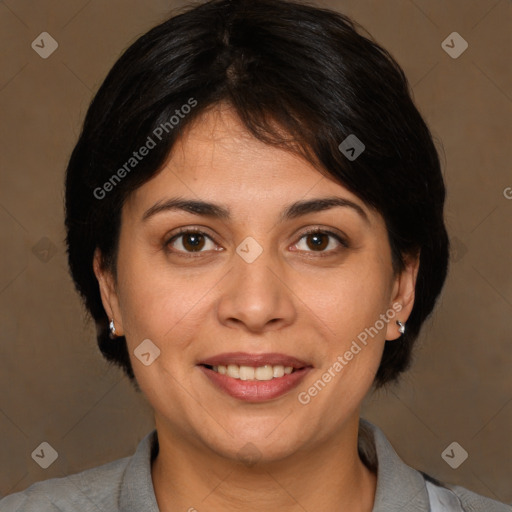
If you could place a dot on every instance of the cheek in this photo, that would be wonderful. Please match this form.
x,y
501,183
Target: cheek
x,y
348,305
349,299
158,303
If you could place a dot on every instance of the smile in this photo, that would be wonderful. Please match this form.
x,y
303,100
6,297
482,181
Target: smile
x,y
254,384
242,372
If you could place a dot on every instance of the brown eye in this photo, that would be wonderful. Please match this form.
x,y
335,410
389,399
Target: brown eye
x,y
189,242
193,241
317,241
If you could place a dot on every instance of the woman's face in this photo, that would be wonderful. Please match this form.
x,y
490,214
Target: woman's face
x,y
251,283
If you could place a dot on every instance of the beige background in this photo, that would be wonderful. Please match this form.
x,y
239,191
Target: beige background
x,y
55,386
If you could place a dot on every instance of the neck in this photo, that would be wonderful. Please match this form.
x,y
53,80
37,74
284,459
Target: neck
x,y
329,475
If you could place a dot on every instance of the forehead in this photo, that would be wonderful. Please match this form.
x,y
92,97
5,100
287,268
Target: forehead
x,y
218,160
219,147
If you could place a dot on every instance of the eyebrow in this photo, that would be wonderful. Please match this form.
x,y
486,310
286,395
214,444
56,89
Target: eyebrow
x,y
217,211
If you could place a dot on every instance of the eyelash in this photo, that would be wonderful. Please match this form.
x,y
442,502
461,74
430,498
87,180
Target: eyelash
x,y
322,254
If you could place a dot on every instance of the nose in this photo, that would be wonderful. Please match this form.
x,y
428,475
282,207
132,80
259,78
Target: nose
x,y
257,296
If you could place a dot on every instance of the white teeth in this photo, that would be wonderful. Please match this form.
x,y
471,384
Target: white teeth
x,y
233,370
278,371
246,373
264,372
267,372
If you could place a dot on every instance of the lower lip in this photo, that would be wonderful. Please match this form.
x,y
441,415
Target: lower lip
x,y
256,390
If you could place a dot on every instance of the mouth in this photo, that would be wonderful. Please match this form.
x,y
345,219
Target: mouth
x,y
254,377
242,372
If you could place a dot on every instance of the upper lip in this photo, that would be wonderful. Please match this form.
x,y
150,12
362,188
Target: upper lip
x,y
245,359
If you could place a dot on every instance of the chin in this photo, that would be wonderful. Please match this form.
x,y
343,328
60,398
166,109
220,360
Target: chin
x,y
255,441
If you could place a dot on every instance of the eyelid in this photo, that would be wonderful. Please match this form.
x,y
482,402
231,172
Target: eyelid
x,y
200,230
341,238
338,235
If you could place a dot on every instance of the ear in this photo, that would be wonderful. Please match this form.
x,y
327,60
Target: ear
x,y
403,295
108,292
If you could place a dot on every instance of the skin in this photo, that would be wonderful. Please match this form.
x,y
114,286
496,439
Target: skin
x,y
289,300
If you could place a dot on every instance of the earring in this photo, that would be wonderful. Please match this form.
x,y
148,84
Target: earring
x,y
401,327
112,328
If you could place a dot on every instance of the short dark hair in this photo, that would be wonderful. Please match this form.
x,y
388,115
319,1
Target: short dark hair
x,y
299,77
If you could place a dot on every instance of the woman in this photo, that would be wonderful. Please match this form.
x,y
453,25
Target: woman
x,y
254,215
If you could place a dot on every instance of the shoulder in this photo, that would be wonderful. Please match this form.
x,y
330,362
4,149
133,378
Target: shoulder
x,y
472,502
401,487
453,498
91,490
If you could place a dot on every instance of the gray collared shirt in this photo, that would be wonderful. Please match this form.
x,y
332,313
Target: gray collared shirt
x,y
125,485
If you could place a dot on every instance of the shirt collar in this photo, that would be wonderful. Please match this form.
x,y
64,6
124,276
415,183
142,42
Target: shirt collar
x,y
399,487
137,491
